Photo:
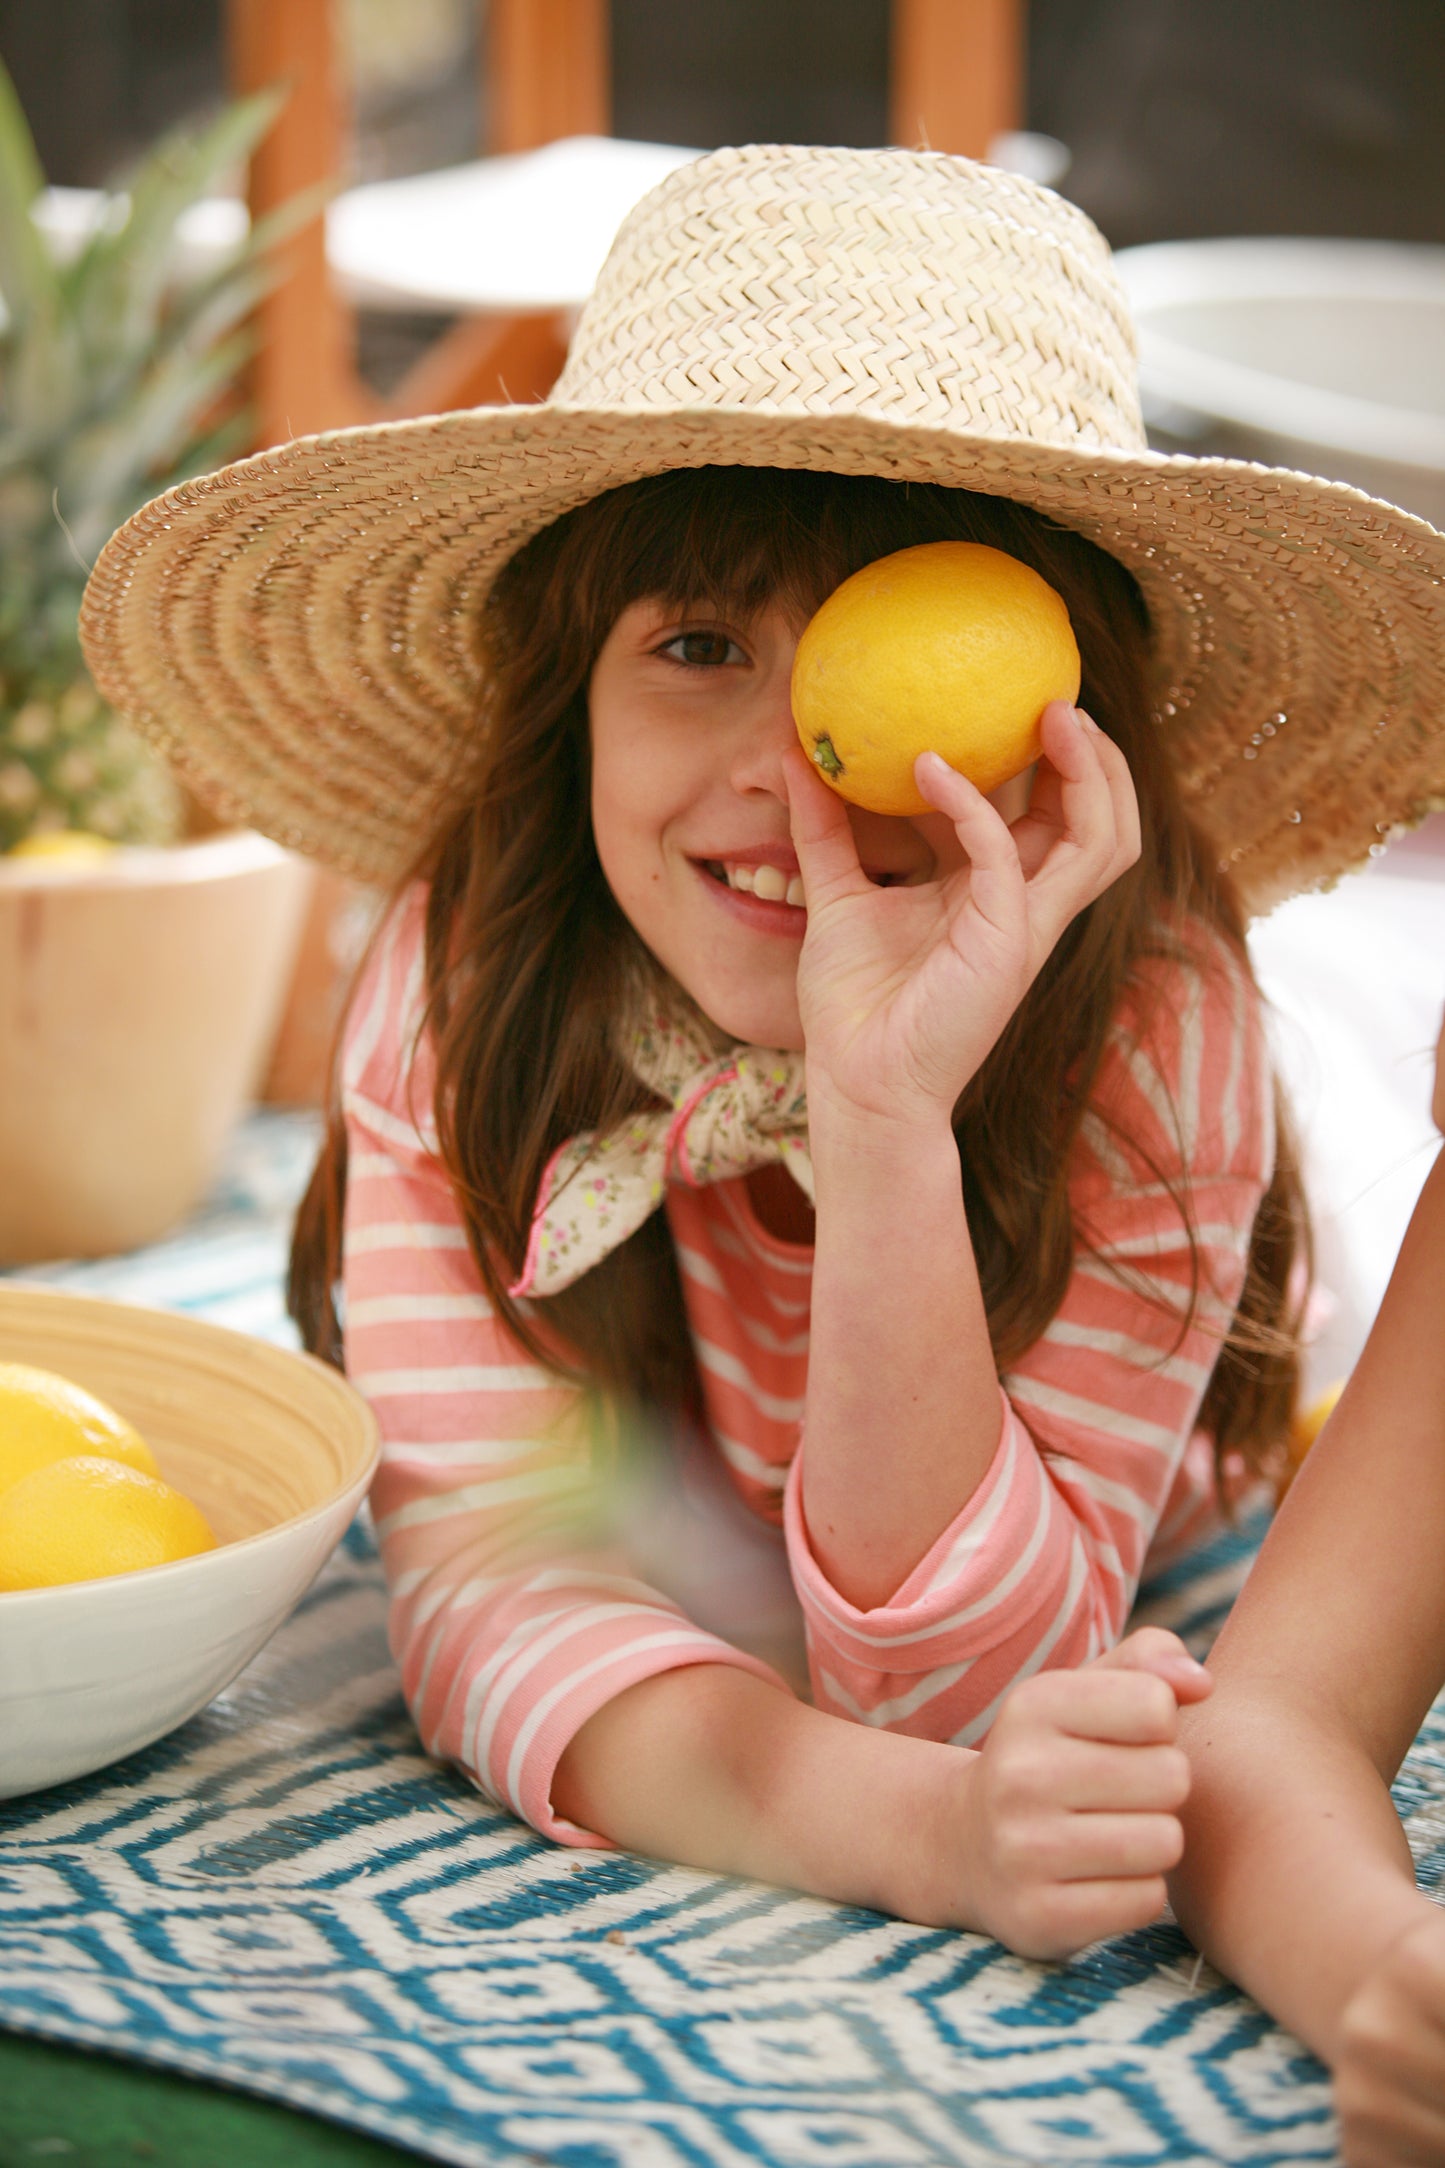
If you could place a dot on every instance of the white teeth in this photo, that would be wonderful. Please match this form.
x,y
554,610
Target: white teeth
x,y
769,882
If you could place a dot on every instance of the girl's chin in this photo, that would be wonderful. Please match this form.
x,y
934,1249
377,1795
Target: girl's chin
x,y
750,1018
745,986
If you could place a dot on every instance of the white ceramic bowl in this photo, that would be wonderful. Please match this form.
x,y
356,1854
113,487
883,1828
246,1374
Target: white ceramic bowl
x,y
276,1449
1327,356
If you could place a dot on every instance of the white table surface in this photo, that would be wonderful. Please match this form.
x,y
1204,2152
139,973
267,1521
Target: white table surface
x,y
1356,978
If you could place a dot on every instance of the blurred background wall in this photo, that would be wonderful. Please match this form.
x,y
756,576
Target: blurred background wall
x,y
1183,117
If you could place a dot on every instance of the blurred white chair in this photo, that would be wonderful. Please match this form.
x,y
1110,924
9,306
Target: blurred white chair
x,y
501,235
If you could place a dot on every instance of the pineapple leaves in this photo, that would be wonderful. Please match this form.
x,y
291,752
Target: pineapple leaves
x,y
117,287
28,278
108,471
119,372
117,368
29,282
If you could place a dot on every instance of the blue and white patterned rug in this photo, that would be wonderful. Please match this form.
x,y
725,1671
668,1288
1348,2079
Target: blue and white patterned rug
x,y
286,1896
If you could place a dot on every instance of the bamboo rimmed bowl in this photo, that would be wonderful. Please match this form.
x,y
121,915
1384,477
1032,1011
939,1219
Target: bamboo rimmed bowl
x,y
275,1448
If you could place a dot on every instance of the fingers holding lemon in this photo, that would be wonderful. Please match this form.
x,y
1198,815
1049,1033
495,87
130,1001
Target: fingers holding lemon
x,y
948,647
921,686
81,1496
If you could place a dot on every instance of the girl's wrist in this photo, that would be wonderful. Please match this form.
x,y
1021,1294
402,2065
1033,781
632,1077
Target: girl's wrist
x,y
1404,1912
844,1127
942,1875
877,1165
922,1791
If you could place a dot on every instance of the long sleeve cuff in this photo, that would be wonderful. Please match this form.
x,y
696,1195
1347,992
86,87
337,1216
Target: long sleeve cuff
x,y
512,1740
994,1572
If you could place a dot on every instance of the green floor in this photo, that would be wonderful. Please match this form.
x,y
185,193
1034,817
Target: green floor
x,y
62,2107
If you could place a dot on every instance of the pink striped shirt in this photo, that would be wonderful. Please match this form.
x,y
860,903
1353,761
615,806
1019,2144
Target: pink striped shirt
x,y
520,1601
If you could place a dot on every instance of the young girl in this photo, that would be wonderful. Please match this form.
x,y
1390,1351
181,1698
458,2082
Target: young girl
x,y
1298,1880
673,1362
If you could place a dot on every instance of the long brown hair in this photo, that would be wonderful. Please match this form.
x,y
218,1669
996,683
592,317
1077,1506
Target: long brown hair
x,y
528,956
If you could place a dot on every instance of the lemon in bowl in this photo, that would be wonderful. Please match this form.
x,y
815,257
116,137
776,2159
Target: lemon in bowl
x,y
80,1492
44,1417
273,1450
949,647
85,1517
64,849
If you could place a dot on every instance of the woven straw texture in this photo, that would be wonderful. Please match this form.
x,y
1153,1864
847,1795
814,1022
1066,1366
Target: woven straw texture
x,y
299,632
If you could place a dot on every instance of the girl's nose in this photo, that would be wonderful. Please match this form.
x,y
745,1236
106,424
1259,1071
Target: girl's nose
x,y
766,733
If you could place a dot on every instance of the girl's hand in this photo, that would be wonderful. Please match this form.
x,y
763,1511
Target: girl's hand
x,y
1075,1798
1390,2069
904,990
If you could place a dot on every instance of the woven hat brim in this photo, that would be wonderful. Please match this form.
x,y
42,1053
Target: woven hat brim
x,y
298,632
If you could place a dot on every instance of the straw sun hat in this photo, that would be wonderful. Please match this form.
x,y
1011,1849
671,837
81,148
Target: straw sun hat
x,y
299,632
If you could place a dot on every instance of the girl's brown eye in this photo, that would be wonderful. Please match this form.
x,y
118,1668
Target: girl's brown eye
x,y
704,650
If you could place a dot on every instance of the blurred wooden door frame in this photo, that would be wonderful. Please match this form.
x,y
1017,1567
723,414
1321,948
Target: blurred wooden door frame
x,y
956,75
304,375
546,72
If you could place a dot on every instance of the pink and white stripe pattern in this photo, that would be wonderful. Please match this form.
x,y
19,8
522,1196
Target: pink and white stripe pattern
x,y
515,1609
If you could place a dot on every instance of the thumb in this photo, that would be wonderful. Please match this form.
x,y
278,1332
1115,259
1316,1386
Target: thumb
x,y
1163,1654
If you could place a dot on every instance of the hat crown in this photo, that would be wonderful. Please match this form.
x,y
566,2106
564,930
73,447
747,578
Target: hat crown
x,y
897,285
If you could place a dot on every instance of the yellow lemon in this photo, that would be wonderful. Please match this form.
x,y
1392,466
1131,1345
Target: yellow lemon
x,y
1304,1428
44,1417
1310,1421
81,1519
952,648
64,846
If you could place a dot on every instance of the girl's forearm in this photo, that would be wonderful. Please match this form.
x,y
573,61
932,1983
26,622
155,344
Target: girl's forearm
x,y
1296,1876
903,1413
711,1767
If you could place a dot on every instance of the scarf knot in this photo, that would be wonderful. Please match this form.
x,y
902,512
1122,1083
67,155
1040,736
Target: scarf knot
x,y
728,1109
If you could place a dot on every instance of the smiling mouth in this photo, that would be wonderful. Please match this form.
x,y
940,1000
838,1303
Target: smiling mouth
x,y
771,885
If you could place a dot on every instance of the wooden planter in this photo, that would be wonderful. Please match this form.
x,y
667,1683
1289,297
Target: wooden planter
x,y
138,1002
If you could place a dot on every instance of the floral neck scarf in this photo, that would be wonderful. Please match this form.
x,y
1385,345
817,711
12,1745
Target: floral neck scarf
x,y
729,1109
